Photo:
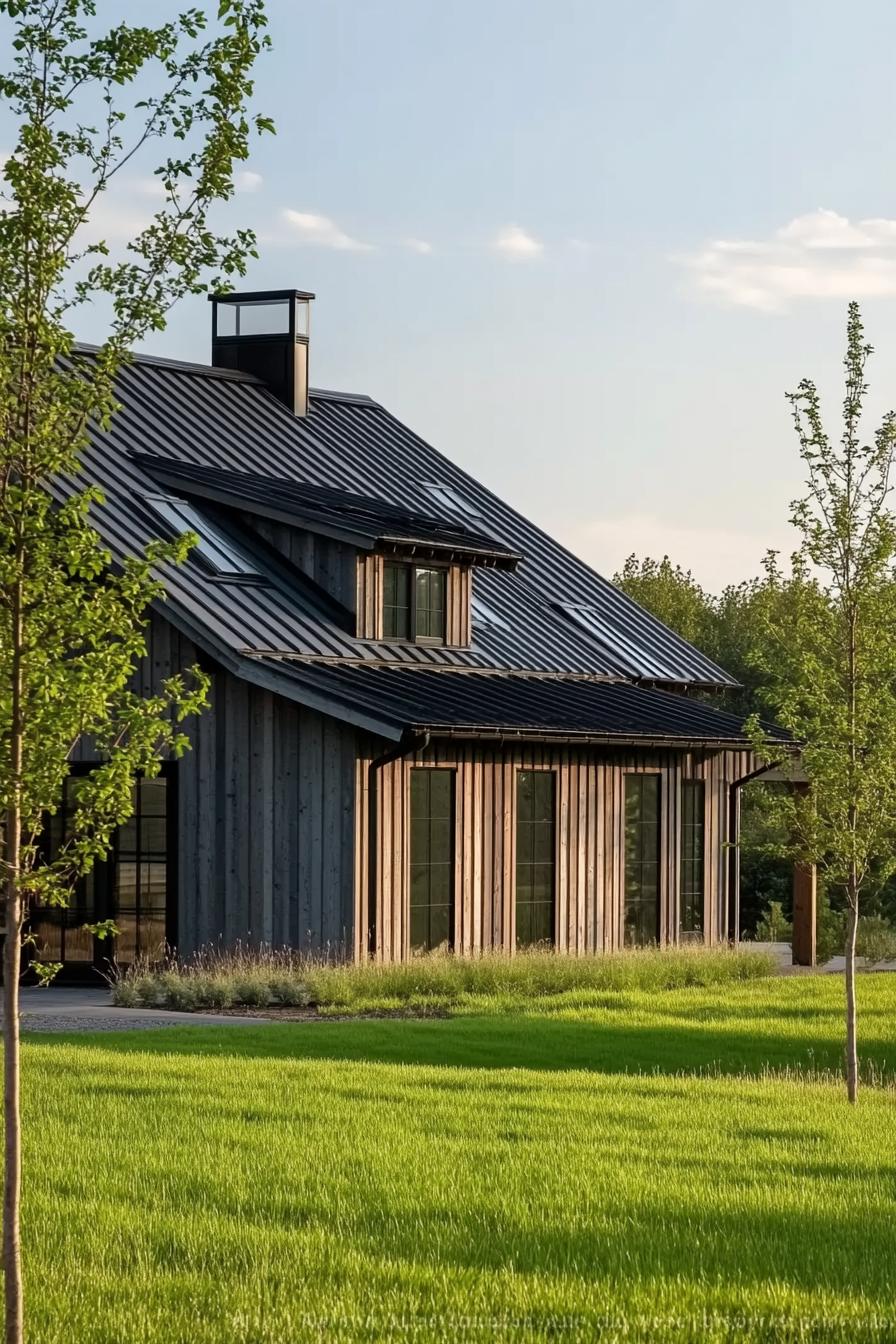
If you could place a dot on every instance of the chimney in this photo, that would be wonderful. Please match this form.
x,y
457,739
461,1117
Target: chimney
x,y
265,333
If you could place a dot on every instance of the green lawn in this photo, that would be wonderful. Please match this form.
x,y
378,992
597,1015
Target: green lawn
x,y
616,1167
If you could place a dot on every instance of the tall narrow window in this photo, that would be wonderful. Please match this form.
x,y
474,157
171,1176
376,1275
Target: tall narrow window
x,y
141,874
693,800
535,857
397,601
429,604
642,859
432,858
414,602
131,886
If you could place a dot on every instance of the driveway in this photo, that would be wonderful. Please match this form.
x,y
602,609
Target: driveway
x,y
59,1008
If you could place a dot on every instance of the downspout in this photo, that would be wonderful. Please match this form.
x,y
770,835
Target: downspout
x,y
416,742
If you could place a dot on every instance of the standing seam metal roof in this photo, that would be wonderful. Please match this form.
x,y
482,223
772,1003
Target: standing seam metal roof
x,y
201,416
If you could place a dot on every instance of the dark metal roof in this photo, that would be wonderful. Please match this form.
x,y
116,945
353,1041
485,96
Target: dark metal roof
x,y
425,699
215,419
363,520
261,296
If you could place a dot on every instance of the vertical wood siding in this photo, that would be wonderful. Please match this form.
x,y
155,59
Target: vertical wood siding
x,y
329,562
266,813
590,847
369,601
369,597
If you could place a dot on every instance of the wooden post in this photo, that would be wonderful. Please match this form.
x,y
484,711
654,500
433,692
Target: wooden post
x,y
805,907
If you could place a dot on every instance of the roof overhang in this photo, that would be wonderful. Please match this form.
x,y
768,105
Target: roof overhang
x,y
342,520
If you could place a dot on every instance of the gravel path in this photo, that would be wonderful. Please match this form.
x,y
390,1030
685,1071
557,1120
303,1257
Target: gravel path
x,y
67,1009
102,1022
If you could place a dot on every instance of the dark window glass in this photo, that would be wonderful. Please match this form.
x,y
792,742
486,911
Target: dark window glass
x,y
429,604
432,859
642,854
693,800
535,857
396,601
413,602
129,887
140,884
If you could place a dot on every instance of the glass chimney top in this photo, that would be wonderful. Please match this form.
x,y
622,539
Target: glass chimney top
x,y
270,313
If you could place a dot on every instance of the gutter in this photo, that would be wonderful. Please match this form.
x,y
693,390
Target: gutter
x,y
410,742
515,735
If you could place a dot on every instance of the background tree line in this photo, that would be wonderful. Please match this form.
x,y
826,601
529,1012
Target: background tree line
x,y
736,628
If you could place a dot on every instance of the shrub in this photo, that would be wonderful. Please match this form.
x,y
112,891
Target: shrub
x,y
774,926
876,940
830,932
254,993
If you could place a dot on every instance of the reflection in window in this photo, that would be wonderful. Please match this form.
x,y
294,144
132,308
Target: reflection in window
x,y
429,604
130,887
220,554
693,798
642,854
432,858
535,857
59,931
397,601
414,602
140,887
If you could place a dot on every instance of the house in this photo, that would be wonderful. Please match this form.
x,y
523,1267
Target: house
x,y
430,724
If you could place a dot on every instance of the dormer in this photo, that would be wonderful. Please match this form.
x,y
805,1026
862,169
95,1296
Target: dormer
x,y
399,576
417,588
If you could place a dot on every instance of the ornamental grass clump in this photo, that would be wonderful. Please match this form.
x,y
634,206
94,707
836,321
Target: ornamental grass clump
x,y
432,984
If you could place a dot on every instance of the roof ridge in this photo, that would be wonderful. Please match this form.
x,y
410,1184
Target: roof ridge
x,y
229,375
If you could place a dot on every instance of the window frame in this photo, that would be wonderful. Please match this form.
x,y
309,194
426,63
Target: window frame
x,y
415,772
551,773
688,830
411,569
224,560
102,903
641,776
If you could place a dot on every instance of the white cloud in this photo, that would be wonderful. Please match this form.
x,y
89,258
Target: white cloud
x,y
245,181
321,231
517,244
418,245
819,255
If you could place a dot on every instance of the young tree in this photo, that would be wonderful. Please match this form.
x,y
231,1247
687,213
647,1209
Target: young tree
x,y
72,615
828,655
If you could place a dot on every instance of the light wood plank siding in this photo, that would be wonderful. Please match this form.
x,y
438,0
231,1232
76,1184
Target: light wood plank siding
x,y
459,590
369,597
369,601
590,877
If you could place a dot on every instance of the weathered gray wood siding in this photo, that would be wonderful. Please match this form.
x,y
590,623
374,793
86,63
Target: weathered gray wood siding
x,y
590,852
265,845
330,563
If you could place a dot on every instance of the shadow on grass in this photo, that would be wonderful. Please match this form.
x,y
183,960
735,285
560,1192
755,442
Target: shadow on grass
x,y
670,1046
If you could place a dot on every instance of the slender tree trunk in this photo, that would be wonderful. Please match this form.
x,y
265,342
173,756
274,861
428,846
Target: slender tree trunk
x,y
852,1056
12,958
12,1163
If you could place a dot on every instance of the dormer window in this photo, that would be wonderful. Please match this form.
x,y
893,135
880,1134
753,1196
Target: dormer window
x,y
414,604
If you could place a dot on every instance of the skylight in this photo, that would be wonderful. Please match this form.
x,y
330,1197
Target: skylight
x,y
483,614
452,499
220,554
595,623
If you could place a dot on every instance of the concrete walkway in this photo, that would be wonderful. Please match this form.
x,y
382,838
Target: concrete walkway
x,y
59,1008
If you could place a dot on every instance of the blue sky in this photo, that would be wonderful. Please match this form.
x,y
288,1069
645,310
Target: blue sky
x,y
584,247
